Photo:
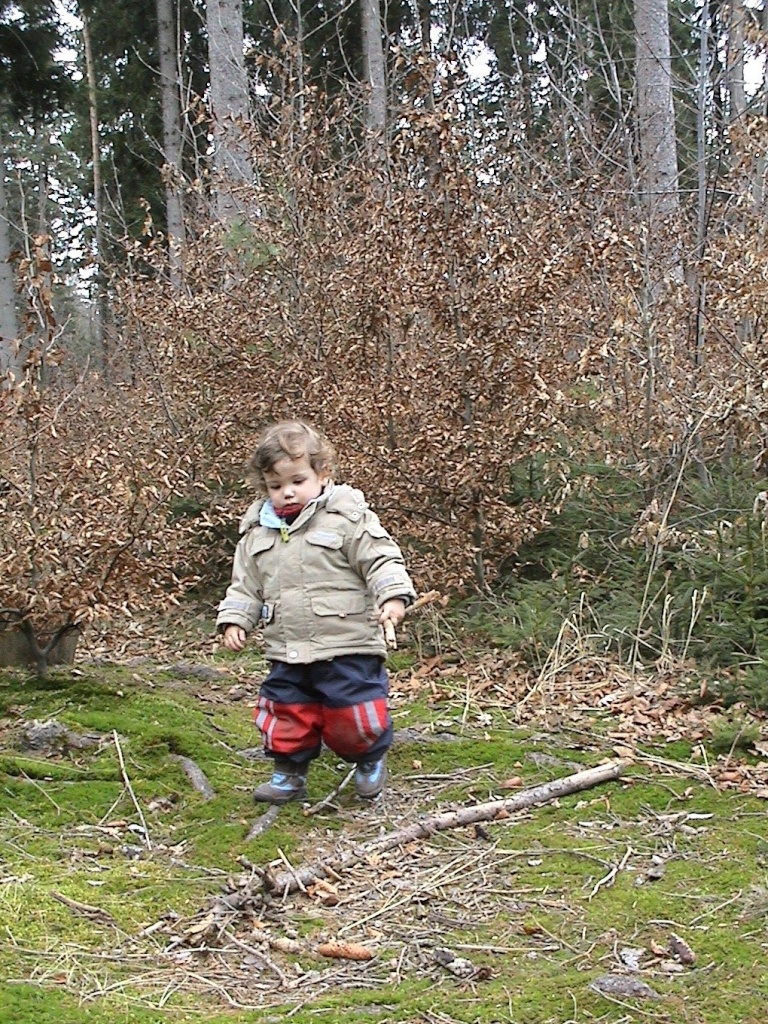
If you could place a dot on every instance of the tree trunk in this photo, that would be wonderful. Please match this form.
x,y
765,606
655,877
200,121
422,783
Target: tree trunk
x,y
20,645
758,188
735,60
699,282
425,25
300,92
10,358
173,139
655,109
375,75
229,105
99,320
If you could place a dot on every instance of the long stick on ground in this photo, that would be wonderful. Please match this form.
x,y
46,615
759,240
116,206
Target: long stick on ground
x,y
289,881
129,787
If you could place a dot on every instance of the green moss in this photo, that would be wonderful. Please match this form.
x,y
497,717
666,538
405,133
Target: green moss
x,y
69,826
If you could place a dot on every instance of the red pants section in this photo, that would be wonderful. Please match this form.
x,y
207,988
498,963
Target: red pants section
x,y
349,732
341,702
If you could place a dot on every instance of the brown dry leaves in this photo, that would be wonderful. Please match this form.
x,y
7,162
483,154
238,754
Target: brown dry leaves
x,y
639,709
446,330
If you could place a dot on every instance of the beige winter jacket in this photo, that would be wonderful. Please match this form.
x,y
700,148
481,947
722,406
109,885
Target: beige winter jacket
x,y
316,595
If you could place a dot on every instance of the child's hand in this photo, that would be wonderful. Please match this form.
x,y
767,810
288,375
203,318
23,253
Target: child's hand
x,y
392,611
234,638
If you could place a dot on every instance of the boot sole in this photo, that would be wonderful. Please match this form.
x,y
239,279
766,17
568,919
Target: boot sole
x,y
278,801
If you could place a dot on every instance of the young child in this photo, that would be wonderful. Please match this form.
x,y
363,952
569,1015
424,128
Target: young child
x,y
317,570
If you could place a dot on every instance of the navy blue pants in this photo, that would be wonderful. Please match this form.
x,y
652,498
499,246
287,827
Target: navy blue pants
x,y
341,702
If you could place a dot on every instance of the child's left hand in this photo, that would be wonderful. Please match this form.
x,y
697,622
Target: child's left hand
x,y
392,611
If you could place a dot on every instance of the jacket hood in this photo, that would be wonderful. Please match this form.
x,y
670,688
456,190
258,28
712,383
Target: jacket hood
x,y
251,517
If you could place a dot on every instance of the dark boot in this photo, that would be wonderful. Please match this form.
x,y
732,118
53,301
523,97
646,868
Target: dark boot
x,y
288,782
370,778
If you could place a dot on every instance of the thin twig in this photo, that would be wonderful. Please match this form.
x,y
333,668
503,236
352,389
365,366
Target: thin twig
x,y
129,787
291,869
676,767
95,913
610,878
40,788
555,938
331,796
284,982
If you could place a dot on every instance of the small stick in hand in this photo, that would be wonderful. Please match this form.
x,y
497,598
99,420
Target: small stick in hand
x,y
389,634
389,627
428,598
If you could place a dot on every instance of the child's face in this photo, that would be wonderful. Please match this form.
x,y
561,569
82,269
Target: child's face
x,y
293,482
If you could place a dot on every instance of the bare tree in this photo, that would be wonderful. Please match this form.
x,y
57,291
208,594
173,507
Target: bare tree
x,y
375,75
655,109
229,106
10,359
173,140
101,312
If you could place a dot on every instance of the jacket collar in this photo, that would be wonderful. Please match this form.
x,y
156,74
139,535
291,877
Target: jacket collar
x,y
264,511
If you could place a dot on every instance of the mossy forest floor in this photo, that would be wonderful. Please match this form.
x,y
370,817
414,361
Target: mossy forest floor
x,y
128,894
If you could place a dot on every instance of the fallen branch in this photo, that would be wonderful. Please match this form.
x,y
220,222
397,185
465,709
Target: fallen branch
x,y
289,881
84,909
195,775
424,599
267,820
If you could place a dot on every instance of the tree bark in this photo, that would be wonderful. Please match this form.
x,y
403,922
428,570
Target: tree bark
x,y
702,95
99,320
735,60
375,75
173,139
655,108
10,357
229,107
289,881
758,188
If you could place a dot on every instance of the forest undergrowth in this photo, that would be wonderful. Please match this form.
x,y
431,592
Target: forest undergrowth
x,y
131,892
555,400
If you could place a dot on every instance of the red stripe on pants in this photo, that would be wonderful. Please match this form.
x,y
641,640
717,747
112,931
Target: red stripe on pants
x,y
351,731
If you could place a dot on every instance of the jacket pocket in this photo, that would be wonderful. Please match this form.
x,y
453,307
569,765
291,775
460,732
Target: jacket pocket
x,y
260,543
342,620
326,539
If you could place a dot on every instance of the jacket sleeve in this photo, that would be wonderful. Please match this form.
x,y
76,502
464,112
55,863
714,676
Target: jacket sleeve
x,y
243,602
379,560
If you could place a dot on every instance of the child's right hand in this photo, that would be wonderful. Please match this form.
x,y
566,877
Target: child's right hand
x,y
234,638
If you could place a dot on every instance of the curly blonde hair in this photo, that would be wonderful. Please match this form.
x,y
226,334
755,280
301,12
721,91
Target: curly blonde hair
x,y
290,439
